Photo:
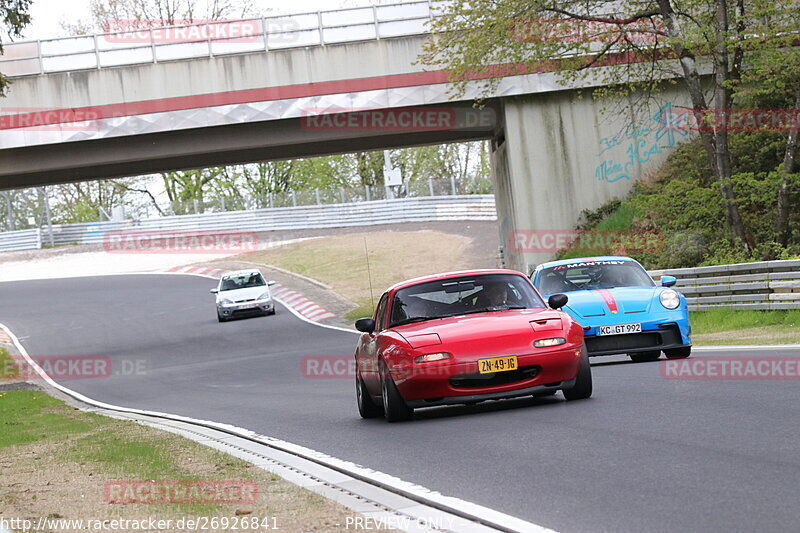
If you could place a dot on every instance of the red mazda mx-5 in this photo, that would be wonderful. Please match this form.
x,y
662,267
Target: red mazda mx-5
x,y
466,337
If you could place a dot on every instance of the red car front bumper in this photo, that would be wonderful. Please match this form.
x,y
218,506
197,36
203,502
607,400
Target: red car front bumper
x,y
458,381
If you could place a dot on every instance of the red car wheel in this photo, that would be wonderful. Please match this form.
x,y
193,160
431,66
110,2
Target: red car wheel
x,y
366,407
394,407
583,381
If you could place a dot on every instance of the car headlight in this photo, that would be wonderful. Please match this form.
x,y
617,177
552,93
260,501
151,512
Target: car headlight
x,y
670,299
225,301
264,296
553,341
431,357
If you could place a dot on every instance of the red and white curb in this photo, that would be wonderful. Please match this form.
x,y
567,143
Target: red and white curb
x,y
286,296
203,271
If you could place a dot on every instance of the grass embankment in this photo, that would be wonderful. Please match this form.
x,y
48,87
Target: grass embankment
x,y
9,370
56,461
729,326
341,261
621,219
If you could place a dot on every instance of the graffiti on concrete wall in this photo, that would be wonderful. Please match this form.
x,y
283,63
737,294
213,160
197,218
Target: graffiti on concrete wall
x,y
641,143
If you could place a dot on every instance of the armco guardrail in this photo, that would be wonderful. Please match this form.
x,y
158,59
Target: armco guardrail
x,y
425,209
761,285
27,239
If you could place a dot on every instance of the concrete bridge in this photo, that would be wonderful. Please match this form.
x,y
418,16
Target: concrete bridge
x,y
142,101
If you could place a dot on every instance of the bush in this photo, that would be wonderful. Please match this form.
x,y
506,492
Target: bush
x,y
684,204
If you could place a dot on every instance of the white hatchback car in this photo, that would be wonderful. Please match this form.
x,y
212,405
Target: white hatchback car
x,y
243,293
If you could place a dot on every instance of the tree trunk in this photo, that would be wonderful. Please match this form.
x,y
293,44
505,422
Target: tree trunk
x,y
789,164
716,143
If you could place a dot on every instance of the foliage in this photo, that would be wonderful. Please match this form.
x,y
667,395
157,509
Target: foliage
x,y
14,15
628,49
684,206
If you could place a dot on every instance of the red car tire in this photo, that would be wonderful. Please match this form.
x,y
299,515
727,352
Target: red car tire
x,y
583,381
394,406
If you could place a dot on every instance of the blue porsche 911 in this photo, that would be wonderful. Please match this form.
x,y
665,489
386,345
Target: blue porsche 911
x,y
620,307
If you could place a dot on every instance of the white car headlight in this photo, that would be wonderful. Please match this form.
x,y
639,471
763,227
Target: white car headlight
x,y
225,301
670,299
264,296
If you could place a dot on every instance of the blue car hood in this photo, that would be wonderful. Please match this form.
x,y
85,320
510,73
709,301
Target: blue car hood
x,y
598,303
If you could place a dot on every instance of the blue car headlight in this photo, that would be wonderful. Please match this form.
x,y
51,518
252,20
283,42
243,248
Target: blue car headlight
x,y
670,299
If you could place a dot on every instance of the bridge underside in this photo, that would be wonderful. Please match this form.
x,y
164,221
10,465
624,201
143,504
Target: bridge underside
x,y
133,155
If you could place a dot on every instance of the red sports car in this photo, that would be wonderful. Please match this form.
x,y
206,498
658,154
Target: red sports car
x,y
466,337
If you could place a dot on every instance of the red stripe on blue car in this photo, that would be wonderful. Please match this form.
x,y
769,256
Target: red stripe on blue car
x,y
608,298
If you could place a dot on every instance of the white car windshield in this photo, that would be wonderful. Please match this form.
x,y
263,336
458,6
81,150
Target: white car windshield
x,y
592,275
242,281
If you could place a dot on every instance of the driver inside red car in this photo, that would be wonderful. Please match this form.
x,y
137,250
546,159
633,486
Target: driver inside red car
x,y
496,294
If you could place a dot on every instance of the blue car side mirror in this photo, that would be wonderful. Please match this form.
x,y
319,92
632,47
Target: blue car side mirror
x,y
668,281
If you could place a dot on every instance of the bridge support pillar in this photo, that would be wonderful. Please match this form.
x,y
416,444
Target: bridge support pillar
x,y
556,154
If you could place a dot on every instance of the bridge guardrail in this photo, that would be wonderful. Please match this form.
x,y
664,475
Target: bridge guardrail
x,y
143,45
424,209
760,286
27,239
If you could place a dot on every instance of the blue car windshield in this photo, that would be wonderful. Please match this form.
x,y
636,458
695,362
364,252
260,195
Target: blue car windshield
x,y
592,275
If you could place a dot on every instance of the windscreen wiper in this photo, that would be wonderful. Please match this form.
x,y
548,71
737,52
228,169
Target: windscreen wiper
x,y
497,308
415,319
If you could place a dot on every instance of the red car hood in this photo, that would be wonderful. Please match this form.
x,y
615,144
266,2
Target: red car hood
x,y
485,334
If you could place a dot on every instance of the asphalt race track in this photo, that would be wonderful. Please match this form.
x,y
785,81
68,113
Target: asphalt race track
x,y
644,454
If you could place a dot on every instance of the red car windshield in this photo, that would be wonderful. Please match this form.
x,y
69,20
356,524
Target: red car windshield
x,y
461,296
592,275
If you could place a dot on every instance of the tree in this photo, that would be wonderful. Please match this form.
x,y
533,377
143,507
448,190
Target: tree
x,y
186,187
14,14
647,42
84,201
183,188
369,166
107,14
774,78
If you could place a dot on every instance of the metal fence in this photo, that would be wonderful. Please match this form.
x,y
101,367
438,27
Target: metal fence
x,y
469,207
342,195
135,44
760,286
26,239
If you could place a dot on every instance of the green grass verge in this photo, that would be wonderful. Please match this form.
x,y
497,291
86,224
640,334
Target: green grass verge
x,y
28,417
719,320
730,326
8,366
76,453
119,449
362,311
